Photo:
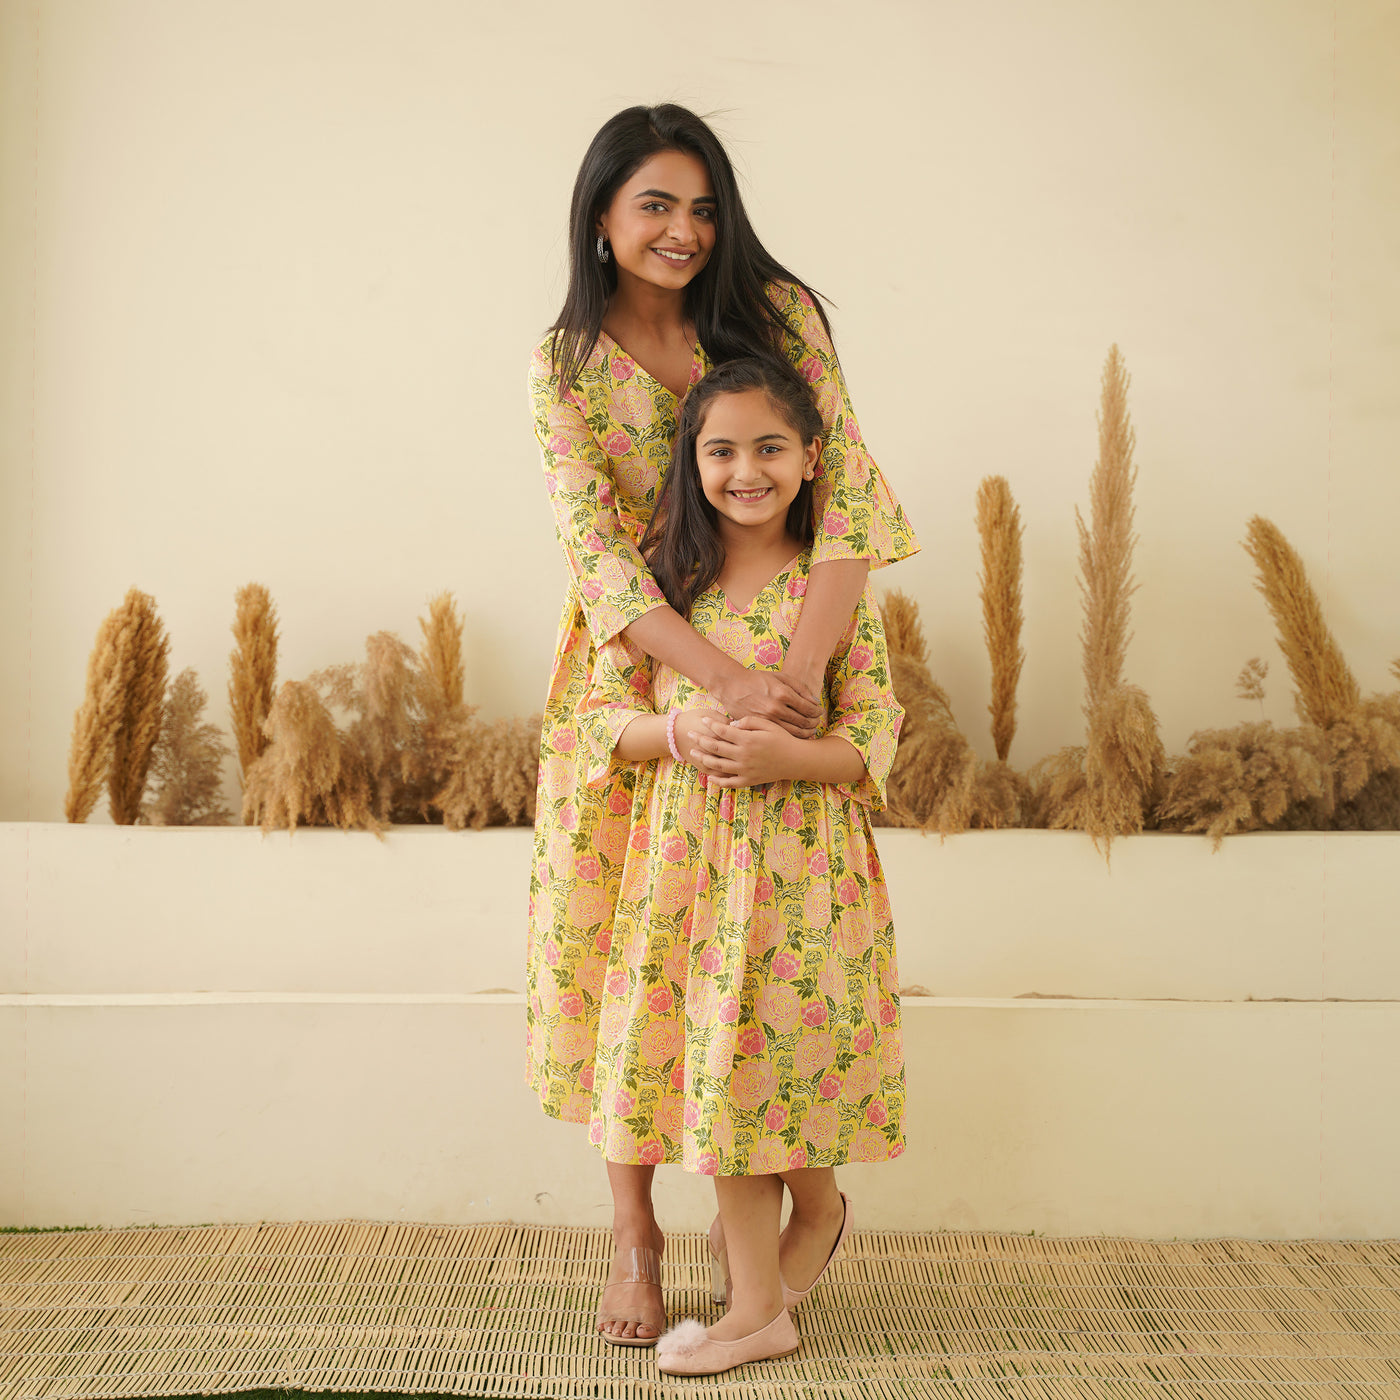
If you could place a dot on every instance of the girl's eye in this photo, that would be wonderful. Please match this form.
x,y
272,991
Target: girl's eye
x,y
770,447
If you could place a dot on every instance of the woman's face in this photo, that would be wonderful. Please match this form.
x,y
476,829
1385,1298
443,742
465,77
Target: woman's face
x,y
661,223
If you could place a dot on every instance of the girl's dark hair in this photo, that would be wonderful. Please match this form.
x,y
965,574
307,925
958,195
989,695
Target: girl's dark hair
x,y
732,314
681,543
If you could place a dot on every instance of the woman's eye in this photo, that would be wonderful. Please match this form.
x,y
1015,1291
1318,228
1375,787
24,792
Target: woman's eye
x,y
706,213
647,208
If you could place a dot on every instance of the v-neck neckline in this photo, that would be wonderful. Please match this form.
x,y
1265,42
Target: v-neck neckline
x,y
782,573
696,357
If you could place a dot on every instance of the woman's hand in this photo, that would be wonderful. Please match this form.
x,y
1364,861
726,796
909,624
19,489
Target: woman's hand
x,y
771,696
747,753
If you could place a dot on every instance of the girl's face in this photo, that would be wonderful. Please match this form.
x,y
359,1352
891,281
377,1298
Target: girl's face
x,y
661,223
752,462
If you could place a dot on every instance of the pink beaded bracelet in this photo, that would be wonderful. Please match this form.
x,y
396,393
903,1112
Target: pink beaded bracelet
x,y
671,736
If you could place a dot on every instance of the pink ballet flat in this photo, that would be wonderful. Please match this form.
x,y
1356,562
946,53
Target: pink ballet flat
x,y
689,1350
719,1260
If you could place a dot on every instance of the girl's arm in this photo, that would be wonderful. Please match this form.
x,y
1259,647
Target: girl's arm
x,y
619,594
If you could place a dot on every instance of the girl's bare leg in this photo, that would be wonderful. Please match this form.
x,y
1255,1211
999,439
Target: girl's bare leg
x,y
813,1227
636,1309
750,1208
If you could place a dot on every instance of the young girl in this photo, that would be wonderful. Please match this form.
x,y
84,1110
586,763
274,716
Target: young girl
x,y
749,1025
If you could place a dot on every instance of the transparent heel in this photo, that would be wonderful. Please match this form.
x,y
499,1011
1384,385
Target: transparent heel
x,y
718,1290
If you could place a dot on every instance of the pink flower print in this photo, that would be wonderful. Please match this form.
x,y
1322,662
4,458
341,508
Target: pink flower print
x,y
896,1149
742,857
830,1086
560,444
848,891
603,938
551,482
797,1159
728,1011
710,959
792,816
617,445
817,863
595,1132
768,653
650,1153
835,524
753,1042
568,816
585,1076
707,1164
624,1103
551,954
605,493
587,867
852,429
786,966
651,589
692,1114
641,839
702,881
591,589
797,586
571,1004
623,366
810,369
617,981
726,805
864,1039
619,802
886,1013
674,849
678,1077
776,1116
660,1001
565,740
814,1014
877,1113
763,889
860,658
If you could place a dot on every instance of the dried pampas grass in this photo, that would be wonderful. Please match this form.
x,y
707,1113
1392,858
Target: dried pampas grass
x,y
1326,687
118,723
252,666
187,767
308,773
999,530
1108,785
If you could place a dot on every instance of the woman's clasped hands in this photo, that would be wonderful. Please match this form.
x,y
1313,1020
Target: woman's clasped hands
x,y
745,752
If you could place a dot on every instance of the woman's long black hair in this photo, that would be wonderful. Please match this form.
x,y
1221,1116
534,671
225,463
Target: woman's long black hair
x,y
681,542
732,314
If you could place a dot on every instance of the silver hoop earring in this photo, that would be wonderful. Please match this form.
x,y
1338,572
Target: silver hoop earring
x,y
603,254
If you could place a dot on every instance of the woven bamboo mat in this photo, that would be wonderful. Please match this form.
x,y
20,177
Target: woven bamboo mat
x,y
507,1310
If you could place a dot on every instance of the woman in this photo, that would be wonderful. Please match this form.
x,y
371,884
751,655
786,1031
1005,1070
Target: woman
x,y
667,278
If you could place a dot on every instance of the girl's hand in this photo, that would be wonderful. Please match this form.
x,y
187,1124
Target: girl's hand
x,y
771,696
689,728
747,753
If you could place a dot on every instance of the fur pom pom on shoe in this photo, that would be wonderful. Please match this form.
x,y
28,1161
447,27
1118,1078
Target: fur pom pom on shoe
x,y
684,1339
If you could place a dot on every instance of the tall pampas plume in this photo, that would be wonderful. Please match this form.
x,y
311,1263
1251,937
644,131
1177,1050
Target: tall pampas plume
x,y
146,664
1327,690
187,767
1106,786
116,727
96,721
252,666
999,530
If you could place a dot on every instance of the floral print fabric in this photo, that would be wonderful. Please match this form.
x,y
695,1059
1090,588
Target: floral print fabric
x,y
605,446
749,1018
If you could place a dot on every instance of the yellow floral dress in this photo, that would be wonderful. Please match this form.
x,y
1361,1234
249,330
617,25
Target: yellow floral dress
x,y
749,1018
606,445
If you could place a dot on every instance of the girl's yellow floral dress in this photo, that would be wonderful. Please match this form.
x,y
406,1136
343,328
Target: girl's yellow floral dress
x,y
749,1021
606,444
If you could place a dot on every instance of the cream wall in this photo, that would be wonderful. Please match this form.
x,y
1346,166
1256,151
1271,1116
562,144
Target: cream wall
x,y
270,273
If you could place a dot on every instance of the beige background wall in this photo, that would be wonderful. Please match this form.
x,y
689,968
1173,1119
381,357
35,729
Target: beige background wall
x,y
270,273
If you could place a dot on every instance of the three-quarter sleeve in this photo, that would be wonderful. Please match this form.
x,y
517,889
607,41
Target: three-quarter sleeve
x,y
862,702
620,691
614,583
858,515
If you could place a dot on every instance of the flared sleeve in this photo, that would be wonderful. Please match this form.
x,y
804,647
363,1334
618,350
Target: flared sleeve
x,y
620,691
614,583
863,708
858,515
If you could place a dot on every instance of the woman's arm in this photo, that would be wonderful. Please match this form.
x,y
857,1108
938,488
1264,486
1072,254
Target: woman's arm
x,y
833,589
666,635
